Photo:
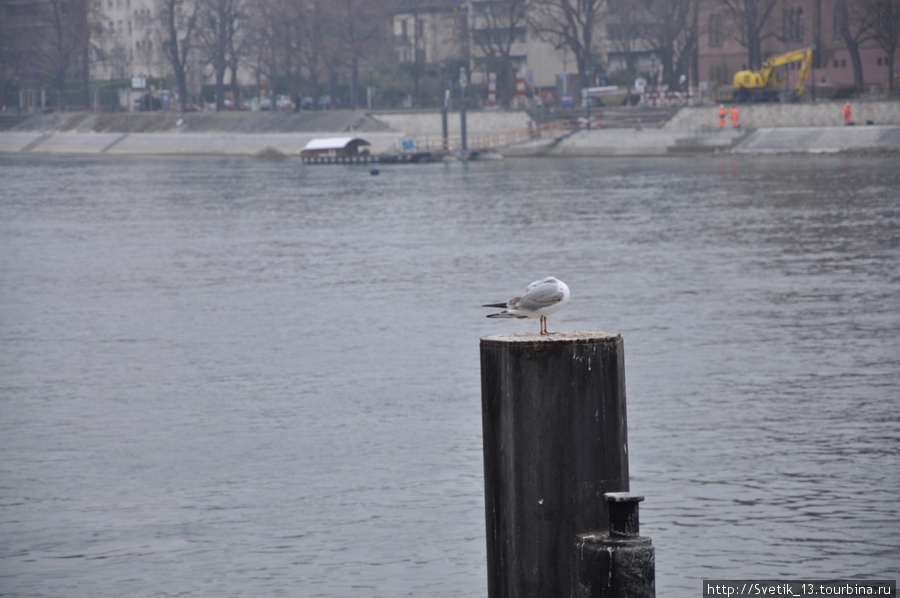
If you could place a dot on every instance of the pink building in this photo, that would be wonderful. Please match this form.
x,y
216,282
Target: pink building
x,y
792,25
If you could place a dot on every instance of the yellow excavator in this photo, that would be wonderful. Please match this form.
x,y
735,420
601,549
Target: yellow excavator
x,y
764,85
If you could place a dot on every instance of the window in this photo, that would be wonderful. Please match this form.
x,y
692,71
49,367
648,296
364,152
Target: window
x,y
879,61
792,25
836,63
718,73
618,32
715,29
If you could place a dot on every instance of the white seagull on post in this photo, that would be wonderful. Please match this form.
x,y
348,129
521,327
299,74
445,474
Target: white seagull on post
x,y
540,299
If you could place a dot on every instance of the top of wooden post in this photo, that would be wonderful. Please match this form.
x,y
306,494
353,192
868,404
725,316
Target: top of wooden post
x,y
579,337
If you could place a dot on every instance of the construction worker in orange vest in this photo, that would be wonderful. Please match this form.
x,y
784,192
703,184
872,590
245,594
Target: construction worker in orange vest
x,y
735,118
721,117
847,120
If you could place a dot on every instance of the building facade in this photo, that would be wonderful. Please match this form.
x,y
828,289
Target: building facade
x,y
792,25
428,32
483,35
130,45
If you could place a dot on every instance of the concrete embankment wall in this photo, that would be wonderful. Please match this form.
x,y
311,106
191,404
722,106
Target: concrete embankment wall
x,y
821,140
765,129
240,133
627,142
757,116
478,122
211,144
662,142
799,128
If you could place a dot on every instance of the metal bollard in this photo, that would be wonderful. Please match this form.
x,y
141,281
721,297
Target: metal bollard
x,y
620,564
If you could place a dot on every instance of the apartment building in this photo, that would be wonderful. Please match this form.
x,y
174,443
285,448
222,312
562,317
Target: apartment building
x,y
484,35
129,44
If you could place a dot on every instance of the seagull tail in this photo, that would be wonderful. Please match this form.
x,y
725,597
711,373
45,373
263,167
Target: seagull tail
x,y
502,305
506,314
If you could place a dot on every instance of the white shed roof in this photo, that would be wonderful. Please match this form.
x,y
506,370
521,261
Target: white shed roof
x,y
324,143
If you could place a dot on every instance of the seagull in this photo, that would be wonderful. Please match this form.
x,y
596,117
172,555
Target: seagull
x,y
540,299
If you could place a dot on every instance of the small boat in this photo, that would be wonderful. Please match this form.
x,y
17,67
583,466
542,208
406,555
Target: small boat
x,y
337,150
352,150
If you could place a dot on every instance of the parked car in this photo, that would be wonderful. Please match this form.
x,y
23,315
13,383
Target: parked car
x,y
229,105
283,102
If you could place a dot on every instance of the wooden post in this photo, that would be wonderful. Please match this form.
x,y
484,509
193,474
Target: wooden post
x,y
555,441
462,126
445,145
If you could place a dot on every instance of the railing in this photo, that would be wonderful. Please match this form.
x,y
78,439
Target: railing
x,y
494,140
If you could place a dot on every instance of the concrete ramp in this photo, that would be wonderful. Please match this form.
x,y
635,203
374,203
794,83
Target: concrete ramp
x,y
820,139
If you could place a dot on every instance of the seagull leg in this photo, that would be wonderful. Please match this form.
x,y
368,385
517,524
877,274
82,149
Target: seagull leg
x,y
544,326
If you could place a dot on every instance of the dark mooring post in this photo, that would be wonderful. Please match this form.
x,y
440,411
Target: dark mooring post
x,y
620,563
555,441
445,140
462,126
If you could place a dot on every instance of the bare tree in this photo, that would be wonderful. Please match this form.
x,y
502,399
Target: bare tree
x,y
315,46
261,42
236,51
357,26
179,19
292,39
572,25
751,21
60,42
289,40
669,30
854,27
216,25
144,27
12,64
885,18
626,33
496,26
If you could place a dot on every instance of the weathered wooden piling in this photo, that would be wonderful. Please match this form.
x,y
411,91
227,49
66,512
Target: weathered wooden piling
x,y
462,127
445,139
617,564
555,441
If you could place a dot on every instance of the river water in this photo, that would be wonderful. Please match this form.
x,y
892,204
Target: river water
x,y
226,377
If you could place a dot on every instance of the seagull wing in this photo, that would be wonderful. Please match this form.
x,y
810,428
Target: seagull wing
x,y
543,295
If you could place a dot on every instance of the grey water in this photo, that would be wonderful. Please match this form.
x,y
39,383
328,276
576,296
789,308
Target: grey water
x,y
227,377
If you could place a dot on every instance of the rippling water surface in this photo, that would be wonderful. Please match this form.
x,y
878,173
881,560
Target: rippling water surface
x,y
223,377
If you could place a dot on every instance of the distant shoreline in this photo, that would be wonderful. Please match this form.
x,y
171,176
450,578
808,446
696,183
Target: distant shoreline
x,y
691,131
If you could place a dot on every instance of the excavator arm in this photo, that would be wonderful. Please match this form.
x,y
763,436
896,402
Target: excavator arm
x,y
803,75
